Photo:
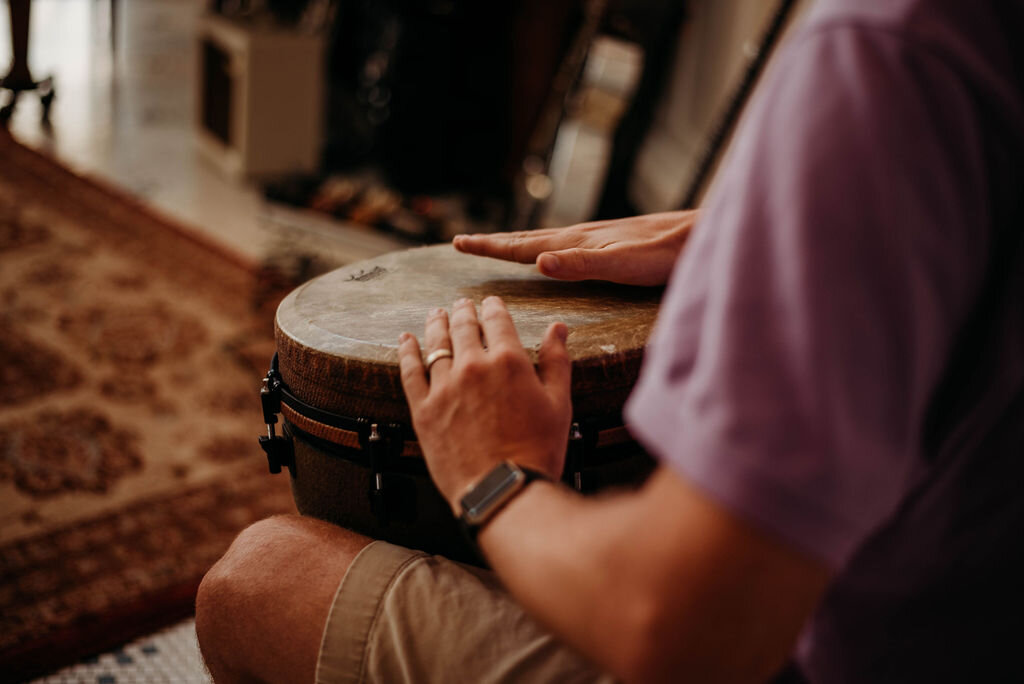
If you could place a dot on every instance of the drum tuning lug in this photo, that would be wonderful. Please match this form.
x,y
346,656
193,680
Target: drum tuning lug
x,y
278,448
377,451
575,457
270,400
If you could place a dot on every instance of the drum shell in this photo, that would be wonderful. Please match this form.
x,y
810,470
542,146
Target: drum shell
x,y
331,487
337,490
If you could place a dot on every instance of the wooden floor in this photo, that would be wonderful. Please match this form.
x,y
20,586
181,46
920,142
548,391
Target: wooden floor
x,y
124,113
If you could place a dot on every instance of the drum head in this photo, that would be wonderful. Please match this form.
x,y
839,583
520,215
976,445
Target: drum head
x,y
337,335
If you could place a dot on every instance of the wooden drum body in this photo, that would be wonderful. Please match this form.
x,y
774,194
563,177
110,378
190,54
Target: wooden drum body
x,y
348,440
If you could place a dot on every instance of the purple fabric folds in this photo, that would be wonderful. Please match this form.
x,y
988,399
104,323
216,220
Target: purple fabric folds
x,y
840,353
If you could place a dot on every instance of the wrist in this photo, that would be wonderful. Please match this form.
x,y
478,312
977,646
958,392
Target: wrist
x,y
483,500
510,519
455,489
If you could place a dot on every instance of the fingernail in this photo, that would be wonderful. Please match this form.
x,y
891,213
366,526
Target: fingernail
x,y
549,262
492,299
562,331
463,302
404,337
437,312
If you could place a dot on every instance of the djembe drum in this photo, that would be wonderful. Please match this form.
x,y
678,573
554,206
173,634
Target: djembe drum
x,y
347,437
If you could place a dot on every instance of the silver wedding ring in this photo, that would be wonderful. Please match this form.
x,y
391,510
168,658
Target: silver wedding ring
x,y
436,356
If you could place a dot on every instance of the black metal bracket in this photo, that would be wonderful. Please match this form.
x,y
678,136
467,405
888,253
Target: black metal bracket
x,y
279,448
384,443
582,440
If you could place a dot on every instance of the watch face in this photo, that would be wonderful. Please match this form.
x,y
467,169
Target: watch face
x,y
496,486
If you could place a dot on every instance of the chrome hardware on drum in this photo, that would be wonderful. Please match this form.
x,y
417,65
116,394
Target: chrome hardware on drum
x,y
347,439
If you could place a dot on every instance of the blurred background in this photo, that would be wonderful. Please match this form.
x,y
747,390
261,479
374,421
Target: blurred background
x,y
418,120
169,169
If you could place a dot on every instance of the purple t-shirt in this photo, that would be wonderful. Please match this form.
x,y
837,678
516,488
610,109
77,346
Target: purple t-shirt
x,y
840,353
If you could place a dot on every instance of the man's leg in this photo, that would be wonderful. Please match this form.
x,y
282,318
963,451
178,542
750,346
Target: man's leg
x,y
261,609
264,609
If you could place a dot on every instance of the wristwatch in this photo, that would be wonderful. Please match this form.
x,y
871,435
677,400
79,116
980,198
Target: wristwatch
x,y
491,493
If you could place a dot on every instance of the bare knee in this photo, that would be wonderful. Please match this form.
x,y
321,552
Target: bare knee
x,y
226,592
214,630
278,577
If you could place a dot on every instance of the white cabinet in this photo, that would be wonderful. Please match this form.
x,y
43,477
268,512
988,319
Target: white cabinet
x,y
260,98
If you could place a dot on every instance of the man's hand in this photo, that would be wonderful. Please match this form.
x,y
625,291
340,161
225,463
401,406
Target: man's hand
x,y
486,404
634,251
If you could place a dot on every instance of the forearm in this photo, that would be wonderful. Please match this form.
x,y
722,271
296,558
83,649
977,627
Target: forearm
x,y
659,585
556,552
653,585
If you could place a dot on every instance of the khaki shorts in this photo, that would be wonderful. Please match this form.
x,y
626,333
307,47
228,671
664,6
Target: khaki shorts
x,y
405,616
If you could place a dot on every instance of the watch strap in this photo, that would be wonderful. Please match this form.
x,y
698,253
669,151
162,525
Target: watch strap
x,y
471,530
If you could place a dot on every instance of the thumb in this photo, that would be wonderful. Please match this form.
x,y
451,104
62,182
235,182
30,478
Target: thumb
x,y
576,264
553,364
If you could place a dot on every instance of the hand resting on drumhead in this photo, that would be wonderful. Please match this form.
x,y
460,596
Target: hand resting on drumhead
x,y
483,405
640,250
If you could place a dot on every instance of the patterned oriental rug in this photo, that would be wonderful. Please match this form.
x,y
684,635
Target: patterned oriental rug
x,y
131,358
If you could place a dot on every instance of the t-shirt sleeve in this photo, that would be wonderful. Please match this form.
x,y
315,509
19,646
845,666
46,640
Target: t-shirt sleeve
x,y
809,321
